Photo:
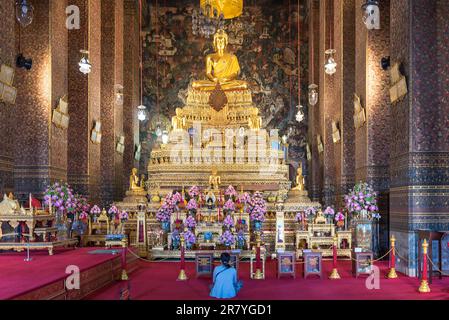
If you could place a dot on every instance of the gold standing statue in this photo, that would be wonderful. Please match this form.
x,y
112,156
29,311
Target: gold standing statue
x,y
222,68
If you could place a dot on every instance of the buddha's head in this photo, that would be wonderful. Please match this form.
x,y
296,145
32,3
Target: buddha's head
x,y
134,171
220,41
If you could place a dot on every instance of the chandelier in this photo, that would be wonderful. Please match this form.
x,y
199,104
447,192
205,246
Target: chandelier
x,y
84,65
313,94
207,21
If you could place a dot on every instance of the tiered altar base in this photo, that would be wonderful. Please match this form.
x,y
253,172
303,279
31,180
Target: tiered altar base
x,y
43,278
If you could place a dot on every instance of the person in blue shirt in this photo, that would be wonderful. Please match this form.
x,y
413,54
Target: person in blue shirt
x,y
225,284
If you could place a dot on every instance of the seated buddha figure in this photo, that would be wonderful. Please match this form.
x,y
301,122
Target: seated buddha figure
x,y
134,184
299,180
222,68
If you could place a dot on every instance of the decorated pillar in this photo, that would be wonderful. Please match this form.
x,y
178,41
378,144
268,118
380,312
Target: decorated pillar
x,y
315,165
7,111
420,135
372,113
280,230
111,99
40,148
131,87
84,102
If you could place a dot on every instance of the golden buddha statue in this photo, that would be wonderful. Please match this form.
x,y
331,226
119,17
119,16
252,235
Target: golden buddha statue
x,y
214,180
299,180
134,184
178,122
221,68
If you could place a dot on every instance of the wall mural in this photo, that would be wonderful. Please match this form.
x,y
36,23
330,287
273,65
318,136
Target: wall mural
x,y
264,39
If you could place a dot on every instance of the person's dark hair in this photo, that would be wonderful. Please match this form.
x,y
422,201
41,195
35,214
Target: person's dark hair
x,y
225,259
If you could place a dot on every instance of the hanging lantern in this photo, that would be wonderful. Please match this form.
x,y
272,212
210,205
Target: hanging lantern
x,y
24,12
331,66
84,64
142,113
300,115
371,15
313,94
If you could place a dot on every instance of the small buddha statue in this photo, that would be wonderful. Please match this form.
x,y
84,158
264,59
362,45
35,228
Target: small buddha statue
x,y
142,181
214,180
134,184
299,180
178,122
222,68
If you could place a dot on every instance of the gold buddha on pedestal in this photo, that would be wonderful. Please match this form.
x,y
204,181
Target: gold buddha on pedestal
x,y
222,68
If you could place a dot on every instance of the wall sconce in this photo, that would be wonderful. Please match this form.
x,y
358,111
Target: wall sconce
x,y
398,88
335,132
142,113
313,94
96,133
331,66
8,93
138,152
319,144
385,63
120,148
371,14
359,112
119,94
25,63
308,152
61,116
84,64
24,12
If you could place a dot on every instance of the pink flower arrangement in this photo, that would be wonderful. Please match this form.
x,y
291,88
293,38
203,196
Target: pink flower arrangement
x,y
329,211
113,210
164,213
95,210
230,192
227,238
244,198
123,215
190,222
189,237
229,205
299,217
83,216
194,192
257,207
310,211
339,217
192,205
362,199
228,222
61,197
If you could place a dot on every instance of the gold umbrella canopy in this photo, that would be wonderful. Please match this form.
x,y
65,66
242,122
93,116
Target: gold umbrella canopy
x,y
230,8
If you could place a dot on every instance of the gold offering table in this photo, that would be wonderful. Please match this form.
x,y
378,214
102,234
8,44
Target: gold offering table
x,y
41,234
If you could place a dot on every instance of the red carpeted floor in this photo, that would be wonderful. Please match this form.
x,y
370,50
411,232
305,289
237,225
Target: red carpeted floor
x,y
18,277
157,281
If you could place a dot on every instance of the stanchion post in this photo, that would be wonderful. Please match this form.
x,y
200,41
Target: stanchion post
x,y
124,276
424,287
182,273
334,274
392,273
259,274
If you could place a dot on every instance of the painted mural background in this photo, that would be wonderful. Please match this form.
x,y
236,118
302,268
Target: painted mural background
x,y
265,40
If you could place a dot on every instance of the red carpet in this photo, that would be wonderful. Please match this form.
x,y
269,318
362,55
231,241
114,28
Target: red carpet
x,y
157,281
18,277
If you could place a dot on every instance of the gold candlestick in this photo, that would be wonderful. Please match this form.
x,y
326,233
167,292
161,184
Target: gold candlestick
x,y
259,274
334,274
182,273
